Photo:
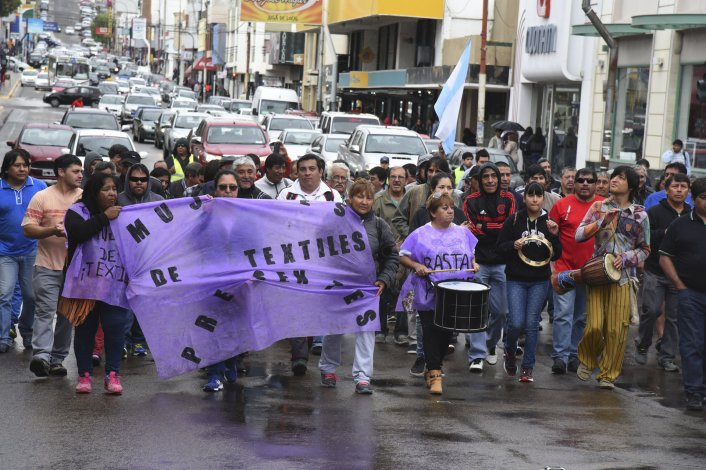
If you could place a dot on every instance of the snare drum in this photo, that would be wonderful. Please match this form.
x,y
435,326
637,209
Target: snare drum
x,y
599,271
462,305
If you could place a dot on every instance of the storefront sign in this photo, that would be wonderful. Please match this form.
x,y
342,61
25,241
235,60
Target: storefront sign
x,y
139,28
282,11
543,8
541,39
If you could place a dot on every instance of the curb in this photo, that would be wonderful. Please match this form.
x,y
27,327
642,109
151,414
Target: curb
x,y
12,91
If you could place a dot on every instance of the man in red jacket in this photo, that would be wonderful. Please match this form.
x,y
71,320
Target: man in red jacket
x,y
570,308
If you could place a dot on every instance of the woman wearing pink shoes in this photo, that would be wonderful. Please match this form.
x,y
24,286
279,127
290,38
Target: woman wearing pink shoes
x,y
85,220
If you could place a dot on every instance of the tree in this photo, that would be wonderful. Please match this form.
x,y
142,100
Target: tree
x,y
8,6
100,21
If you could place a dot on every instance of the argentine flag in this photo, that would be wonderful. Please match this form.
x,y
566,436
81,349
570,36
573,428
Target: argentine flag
x,y
449,102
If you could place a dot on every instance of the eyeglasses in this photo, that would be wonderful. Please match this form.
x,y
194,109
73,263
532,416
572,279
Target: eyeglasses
x,y
585,180
224,187
138,179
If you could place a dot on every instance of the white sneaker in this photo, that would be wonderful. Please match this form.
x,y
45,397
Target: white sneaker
x,y
491,358
476,366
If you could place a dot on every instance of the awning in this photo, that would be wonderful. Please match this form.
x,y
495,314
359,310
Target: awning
x,y
615,29
204,63
675,21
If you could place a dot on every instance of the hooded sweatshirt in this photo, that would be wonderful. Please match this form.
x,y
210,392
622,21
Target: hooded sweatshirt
x,y
174,156
90,157
487,213
128,198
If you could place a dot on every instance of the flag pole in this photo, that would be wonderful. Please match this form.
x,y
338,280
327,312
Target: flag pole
x,y
480,121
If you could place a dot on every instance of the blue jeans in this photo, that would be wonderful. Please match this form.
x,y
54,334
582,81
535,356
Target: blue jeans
x,y
494,276
112,319
133,331
218,370
525,301
16,303
14,269
569,322
692,347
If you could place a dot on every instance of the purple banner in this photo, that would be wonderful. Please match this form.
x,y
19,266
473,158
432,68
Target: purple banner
x,y
96,270
211,278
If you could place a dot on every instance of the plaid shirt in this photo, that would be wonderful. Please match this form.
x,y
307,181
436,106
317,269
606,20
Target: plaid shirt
x,y
632,234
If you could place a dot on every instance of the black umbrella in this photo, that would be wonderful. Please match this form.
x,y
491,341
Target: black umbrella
x,y
507,126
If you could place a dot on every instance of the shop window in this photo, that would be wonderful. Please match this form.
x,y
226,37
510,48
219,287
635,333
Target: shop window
x,y
356,46
426,36
387,49
630,113
692,116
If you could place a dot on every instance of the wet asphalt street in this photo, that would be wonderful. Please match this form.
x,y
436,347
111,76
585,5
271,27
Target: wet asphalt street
x,y
270,419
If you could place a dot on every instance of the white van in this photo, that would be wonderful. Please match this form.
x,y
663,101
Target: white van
x,y
271,100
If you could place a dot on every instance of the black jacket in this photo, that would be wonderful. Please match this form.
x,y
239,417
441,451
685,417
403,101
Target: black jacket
x,y
80,231
487,214
660,215
252,193
516,227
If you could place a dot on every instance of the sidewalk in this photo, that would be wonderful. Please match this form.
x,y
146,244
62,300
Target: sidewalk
x,y
7,89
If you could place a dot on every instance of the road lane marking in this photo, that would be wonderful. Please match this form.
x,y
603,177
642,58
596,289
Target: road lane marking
x,y
12,91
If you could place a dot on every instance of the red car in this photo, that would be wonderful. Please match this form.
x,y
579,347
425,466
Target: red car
x,y
216,137
44,143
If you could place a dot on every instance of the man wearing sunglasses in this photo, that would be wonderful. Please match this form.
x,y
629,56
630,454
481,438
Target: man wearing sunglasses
x,y
137,191
570,307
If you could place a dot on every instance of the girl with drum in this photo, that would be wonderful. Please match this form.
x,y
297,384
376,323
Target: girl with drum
x,y
529,240
386,258
437,251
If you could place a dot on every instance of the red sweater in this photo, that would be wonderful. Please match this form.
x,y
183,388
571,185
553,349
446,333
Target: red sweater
x,y
568,212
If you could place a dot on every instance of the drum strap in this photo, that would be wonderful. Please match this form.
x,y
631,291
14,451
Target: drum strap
x,y
612,237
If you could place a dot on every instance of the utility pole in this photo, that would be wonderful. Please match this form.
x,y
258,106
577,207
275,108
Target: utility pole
x,y
480,120
247,63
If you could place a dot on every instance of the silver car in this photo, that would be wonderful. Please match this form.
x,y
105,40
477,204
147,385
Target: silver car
x,y
179,127
326,146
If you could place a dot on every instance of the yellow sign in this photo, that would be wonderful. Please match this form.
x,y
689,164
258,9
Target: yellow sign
x,y
282,11
358,79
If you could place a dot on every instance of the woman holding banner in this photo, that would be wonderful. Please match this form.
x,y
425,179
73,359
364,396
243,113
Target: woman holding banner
x,y
437,246
386,259
225,185
86,221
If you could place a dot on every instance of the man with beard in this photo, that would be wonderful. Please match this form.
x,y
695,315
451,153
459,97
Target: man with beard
x,y
338,177
44,221
570,307
568,175
274,181
487,211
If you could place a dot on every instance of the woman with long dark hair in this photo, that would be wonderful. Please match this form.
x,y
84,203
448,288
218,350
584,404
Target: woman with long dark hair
x,y
85,220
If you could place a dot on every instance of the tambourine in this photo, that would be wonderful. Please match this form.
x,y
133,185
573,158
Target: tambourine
x,y
530,240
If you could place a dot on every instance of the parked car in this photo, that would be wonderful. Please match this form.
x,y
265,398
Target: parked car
x,y
69,30
326,146
123,87
28,77
179,127
274,124
67,96
136,82
99,141
132,102
41,82
297,141
90,118
154,93
44,143
112,103
17,65
144,122
161,126
228,135
185,93
400,145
